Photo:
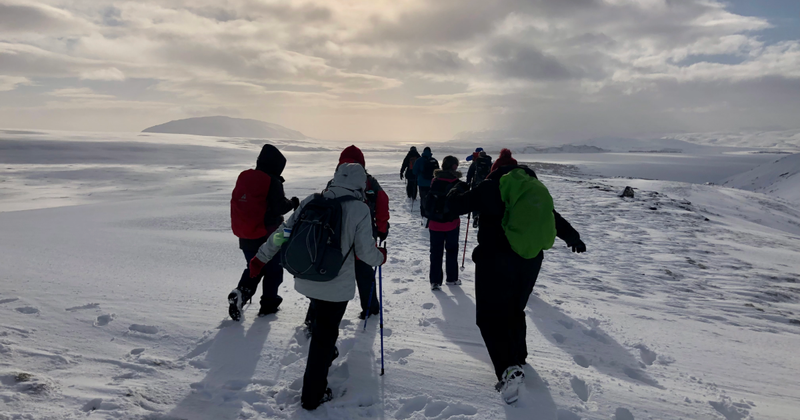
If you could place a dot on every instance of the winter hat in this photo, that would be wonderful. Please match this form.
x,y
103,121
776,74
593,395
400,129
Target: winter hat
x,y
505,159
479,149
449,163
426,149
413,149
352,154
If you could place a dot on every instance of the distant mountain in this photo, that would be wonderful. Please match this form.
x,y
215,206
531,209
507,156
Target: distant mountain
x,y
567,148
780,178
226,127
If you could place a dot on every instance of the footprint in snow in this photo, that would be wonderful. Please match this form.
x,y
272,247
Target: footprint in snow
x,y
623,414
104,320
144,329
582,361
566,324
9,300
400,291
428,305
87,306
580,388
433,408
559,338
648,356
28,310
400,355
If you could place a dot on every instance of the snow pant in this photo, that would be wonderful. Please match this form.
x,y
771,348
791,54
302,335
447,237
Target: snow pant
x,y
423,192
503,283
441,242
365,280
324,332
272,273
411,187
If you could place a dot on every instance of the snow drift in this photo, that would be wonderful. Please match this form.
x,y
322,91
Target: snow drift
x,y
779,178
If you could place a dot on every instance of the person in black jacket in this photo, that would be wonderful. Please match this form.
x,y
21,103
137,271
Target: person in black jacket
x,y
503,279
271,162
407,172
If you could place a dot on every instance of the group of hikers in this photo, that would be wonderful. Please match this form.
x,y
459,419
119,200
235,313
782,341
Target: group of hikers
x,y
331,244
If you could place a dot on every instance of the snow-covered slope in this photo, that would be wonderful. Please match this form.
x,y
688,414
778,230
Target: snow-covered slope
x,y
780,178
787,139
226,127
685,306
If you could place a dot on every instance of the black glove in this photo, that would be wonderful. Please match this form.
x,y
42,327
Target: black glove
x,y
295,202
460,188
578,246
382,235
401,176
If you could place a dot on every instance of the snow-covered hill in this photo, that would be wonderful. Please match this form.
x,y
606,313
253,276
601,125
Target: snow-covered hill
x,y
226,127
782,140
686,304
780,178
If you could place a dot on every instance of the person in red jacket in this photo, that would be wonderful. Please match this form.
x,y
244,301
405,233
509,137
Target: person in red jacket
x,y
258,204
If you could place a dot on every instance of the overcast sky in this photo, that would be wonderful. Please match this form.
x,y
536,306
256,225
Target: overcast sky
x,y
561,70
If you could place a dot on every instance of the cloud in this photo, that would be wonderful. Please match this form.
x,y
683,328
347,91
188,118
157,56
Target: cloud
x,y
560,68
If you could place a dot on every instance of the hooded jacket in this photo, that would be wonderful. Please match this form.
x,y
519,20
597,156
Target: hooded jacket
x,y
405,169
419,168
376,198
486,199
349,180
272,163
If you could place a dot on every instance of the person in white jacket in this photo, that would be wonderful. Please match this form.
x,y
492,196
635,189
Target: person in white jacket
x,y
329,299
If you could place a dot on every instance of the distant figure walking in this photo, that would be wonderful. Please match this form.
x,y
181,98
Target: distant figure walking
x,y
407,172
423,169
478,171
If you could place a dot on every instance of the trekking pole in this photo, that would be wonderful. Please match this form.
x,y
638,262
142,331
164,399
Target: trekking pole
x,y
466,238
380,293
371,292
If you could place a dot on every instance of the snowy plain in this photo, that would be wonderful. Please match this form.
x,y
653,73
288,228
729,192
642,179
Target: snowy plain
x,y
116,257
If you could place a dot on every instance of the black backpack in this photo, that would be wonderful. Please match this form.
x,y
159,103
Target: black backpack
x,y
435,206
430,165
314,249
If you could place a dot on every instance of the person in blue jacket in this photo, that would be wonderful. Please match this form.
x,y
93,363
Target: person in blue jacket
x,y
423,170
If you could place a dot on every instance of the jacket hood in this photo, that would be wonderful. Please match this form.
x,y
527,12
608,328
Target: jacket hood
x,y
440,173
271,160
350,176
352,154
427,153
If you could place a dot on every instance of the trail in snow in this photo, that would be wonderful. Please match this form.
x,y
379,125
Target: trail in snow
x,y
667,315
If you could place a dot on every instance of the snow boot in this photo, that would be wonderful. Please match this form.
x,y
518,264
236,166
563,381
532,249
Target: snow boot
x,y
475,222
325,398
271,307
436,286
509,386
235,303
454,283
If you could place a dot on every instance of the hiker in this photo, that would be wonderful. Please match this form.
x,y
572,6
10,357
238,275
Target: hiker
x,y
328,298
407,172
444,226
478,171
258,204
423,170
517,223
378,203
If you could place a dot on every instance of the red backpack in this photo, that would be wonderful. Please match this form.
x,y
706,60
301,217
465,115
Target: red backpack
x,y
411,162
249,204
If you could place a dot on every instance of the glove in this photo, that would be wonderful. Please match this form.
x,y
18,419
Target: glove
x,y
382,235
459,188
295,202
401,176
578,247
256,266
383,251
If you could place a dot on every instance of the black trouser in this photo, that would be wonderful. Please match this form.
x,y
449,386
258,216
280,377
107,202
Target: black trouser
x,y
503,283
324,332
411,187
441,241
272,273
423,192
365,280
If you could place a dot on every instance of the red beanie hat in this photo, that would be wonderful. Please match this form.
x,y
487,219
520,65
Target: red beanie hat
x,y
352,154
505,159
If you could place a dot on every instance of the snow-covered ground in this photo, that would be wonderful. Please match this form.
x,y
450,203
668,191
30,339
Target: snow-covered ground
x,y
780,178
113,304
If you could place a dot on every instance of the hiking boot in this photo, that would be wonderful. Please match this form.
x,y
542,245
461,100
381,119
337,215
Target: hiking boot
x,y
454,283
475,222
327,396
269,306
373,311
508,387
267,311
235,304
436,286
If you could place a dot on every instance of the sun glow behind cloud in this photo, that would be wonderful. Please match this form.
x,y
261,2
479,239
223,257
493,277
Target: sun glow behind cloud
x,y
551,69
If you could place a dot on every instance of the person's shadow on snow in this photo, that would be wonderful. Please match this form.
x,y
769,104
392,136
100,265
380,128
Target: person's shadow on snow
x,y
231,359
587,343
459,327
